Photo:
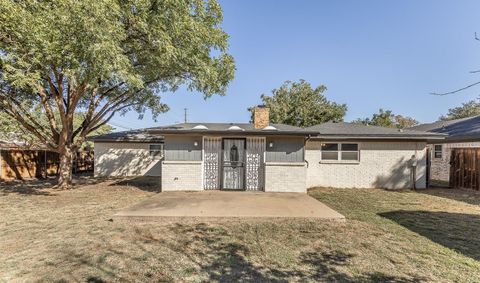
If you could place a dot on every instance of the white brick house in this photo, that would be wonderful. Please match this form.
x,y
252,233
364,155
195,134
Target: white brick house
x,y
267,157
460,133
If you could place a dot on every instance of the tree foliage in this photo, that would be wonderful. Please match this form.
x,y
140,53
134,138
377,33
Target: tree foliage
x,y
298,104
10,129
104,57
385,118
468,109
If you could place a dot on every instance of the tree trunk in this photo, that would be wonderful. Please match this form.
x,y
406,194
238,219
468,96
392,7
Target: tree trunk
x,y
66,164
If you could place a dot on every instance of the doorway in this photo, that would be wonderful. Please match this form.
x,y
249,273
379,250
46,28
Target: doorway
x,y
233,164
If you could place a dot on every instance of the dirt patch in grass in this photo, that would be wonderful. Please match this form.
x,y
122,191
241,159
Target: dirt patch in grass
x,y
70,236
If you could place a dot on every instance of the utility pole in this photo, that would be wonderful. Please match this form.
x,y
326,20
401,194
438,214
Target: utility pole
x,y
185,118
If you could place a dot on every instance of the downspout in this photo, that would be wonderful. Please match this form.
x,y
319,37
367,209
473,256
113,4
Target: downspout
x,y
414,162
305,148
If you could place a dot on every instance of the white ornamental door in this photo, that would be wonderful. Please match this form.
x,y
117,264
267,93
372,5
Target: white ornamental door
x,y
255,164
212,153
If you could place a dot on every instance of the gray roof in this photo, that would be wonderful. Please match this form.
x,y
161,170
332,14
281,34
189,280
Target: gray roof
x,y
230,129
139,135
326,130
457,130
354,130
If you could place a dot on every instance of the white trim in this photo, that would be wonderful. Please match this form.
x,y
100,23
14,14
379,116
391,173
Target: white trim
x,y
182,162
285,163
339,152
434,151
339,161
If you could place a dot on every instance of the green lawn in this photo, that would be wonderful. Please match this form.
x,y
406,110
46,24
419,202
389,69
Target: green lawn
x,y
47,235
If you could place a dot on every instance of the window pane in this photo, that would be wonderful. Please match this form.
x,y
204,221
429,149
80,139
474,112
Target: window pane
x,y
438,154
329,155
349,146
155,147
438,147
330,147
349,155
155,153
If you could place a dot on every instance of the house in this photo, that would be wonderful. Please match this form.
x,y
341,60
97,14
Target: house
x,y
460,133
266,157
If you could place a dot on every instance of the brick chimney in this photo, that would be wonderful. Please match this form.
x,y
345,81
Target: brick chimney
x,y
261,117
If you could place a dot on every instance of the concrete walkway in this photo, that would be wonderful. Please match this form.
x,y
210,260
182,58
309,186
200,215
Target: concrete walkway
x,y
231,204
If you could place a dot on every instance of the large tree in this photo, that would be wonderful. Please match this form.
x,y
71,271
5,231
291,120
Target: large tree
x,y
11,129
298,104
386,118
468,109
104,57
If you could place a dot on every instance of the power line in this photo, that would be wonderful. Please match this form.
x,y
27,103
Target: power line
x,y
119,126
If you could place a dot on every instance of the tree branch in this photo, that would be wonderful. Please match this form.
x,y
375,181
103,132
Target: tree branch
x,y
49,113
13,112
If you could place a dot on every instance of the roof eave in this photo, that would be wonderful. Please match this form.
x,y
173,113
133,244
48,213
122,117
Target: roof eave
x,y
372,137
232,132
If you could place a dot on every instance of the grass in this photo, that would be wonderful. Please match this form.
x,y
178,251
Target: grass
x,y
63,236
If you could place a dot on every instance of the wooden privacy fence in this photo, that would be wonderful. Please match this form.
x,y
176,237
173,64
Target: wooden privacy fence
x,y
465,168
21,164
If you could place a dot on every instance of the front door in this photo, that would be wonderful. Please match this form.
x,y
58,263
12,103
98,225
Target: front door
x,y
233,164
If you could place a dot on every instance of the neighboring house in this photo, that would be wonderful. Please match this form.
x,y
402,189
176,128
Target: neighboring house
x,y
266,157
460,133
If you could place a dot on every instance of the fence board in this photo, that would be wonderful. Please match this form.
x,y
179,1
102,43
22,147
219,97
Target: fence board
x,y
465,168
20,164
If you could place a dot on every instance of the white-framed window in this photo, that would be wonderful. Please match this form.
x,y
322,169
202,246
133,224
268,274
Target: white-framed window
x,y
340,151
437,151
156,150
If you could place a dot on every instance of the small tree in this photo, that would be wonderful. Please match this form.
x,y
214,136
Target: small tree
x,y
104,57
468,109
385,118
298,104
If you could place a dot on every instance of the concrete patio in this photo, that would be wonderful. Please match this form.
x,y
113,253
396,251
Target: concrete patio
x,y
231,204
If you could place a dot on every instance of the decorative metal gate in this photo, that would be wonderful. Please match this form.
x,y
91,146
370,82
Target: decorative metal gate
x,y
233,164
255,164
212,159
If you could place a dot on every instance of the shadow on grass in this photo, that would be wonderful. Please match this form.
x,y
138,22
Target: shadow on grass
x,y
144,183
44,186
456,231
213,254
30,187
225,259
463,195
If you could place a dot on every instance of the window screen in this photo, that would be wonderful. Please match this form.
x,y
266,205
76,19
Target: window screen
x,y
156,150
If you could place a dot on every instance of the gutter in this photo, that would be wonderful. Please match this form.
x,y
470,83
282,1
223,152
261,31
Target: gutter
x,y
337,137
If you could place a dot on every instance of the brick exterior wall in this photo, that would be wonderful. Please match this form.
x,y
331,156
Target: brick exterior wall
x,y
440,167
261,117
182,176
383,164
125,159
285,177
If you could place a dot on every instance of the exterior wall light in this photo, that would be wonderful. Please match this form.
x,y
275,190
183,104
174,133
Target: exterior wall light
x,y
270,144
195,143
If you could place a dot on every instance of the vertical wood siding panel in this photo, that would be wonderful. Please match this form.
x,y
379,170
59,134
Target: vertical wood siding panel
x,y
285,150
182,148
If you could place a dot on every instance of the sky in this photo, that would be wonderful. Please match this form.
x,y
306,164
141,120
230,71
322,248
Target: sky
x,y
369,54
